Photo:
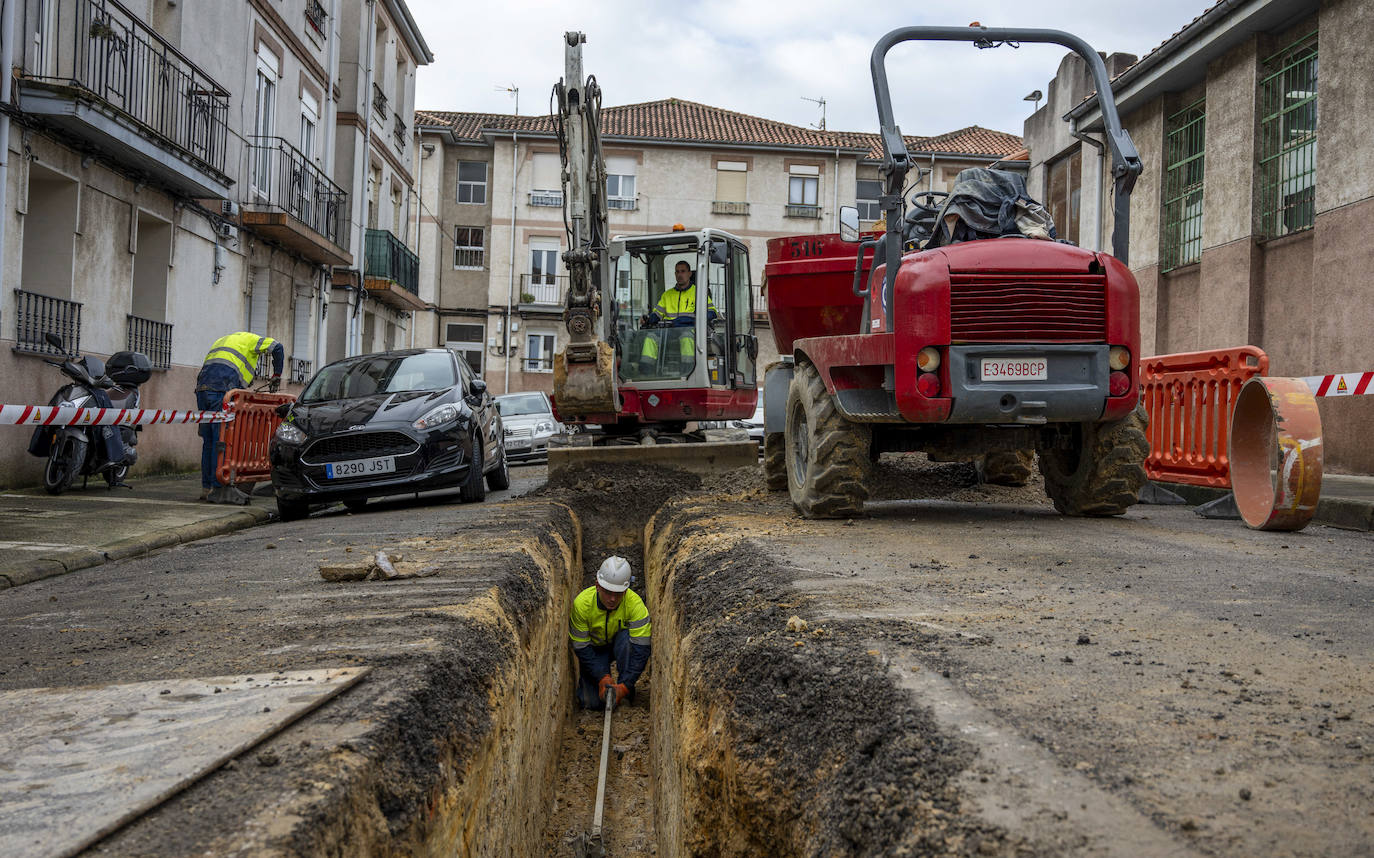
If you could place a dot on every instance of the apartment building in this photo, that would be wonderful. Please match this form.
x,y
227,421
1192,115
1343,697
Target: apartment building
x,y
1248,224
178,171
494,224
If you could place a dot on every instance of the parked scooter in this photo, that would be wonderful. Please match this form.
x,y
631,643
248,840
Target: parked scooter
x,y
74,451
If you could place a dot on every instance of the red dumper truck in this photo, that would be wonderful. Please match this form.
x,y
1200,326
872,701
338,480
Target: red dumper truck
x,y
956,334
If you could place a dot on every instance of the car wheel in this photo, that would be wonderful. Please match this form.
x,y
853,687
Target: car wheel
x,y
357,505
499,479
292,510
474,488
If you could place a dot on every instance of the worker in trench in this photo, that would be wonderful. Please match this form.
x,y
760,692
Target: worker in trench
x,y
609,623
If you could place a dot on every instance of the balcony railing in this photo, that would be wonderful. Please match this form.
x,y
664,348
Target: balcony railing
x,y
300,370
398,132
546,198
36,315
103,49
725,207
387,258
316,15
543,289
794,210
286,180
378,100
152,338
622,203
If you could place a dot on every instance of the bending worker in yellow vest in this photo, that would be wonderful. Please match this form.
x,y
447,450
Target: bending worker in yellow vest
x,y
609,623
677,308
231,363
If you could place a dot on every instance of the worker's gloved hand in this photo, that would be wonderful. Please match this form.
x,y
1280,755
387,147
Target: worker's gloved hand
x,y
621,692
274,384
601,686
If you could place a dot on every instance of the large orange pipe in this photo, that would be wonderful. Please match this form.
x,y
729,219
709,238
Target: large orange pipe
x,y
1276,453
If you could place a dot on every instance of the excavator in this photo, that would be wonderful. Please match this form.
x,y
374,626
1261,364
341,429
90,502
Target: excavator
x,y
641,382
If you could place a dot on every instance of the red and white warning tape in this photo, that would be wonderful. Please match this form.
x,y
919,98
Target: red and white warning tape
x,y
52,415
1341,384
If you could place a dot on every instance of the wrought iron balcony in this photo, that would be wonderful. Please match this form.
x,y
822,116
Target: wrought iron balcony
x,y
392,271
794,210
285,182
398,132
378,100
628,204
553,199
152,338
36,315
729,208
316,15
543,290
103,75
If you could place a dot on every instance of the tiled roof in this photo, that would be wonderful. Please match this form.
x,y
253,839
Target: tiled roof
x,y
679,120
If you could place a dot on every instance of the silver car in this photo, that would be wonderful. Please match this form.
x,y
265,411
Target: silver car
x,y
529,421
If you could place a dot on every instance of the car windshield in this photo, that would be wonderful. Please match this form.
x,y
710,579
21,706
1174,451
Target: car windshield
x,y
517,404
381,373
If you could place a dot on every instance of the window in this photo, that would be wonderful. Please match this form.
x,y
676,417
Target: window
x,y
546,180
466,340
472,182
866,193
1065,184
1288,139
1180,241
732,188
539,353
259,289
468,247
803,192
310,120
264,118
541,287
620,183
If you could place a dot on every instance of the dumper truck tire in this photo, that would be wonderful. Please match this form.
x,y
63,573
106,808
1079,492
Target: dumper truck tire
x,y
1006,467
775,461
1101,474
827,460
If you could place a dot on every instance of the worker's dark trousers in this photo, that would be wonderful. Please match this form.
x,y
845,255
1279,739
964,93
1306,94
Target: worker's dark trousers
x,y
601,658
209,400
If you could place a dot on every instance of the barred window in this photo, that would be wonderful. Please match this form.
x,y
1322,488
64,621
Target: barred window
x,y
1180,240
1288,139
468,247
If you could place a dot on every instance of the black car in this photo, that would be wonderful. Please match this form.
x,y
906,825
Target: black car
x,y
388,423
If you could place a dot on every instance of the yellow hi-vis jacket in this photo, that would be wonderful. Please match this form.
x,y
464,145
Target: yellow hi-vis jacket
x,y
240,351
592,625
675,303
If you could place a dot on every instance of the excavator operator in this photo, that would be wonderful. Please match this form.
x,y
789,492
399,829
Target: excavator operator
x,y
677,308
609,622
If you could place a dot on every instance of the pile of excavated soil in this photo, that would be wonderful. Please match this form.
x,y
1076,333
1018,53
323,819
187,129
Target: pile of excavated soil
x,y
911,476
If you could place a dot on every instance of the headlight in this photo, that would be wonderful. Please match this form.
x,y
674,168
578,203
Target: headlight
x,y
289,434
544,426
437,417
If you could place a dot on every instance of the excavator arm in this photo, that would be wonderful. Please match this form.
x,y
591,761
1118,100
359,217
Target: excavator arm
x,y
584,380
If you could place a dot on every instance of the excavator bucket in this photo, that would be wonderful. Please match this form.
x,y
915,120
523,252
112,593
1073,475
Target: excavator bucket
x,y
586,387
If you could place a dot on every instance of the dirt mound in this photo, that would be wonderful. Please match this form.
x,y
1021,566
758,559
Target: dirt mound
x,y
912,476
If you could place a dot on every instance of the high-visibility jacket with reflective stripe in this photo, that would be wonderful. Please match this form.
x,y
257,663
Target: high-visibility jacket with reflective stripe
x,y
679,306
240,351
593,625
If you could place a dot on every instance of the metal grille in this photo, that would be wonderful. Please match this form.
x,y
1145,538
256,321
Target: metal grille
x,y
727,207
284,178
803,211
1180,241
316,15
546,198
153,339
1288,139
387,258
36,315
378,100
543,288
359,445
300,370
1028,308
398,132
622,203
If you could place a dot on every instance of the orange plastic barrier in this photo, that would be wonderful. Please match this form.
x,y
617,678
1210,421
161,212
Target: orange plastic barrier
x,y
1189,398
244,440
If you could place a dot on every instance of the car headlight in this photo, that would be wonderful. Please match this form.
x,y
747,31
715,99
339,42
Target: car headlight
x,y
437,417
289,434
544,426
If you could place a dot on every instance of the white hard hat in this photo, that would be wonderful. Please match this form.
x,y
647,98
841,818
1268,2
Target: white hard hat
x,y
614,574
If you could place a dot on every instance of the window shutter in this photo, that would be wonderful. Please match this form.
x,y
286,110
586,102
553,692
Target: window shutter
x,y
731,186
300,328
257,301
547,172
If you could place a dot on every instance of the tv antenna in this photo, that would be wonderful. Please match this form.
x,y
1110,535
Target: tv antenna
x,y
821,102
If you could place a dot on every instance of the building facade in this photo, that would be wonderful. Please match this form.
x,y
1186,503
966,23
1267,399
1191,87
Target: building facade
x,y
175,173
494,221
1247,226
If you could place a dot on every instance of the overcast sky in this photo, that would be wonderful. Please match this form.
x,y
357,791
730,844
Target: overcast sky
x,y
763,57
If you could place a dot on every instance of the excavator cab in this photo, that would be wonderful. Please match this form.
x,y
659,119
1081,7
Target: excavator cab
x,y
699,334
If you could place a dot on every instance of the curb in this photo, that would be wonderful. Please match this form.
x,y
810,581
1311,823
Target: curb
x,y
84,558
1343,513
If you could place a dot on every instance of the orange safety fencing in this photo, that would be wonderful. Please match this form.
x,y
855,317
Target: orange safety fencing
x,y
1189,398
244,440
